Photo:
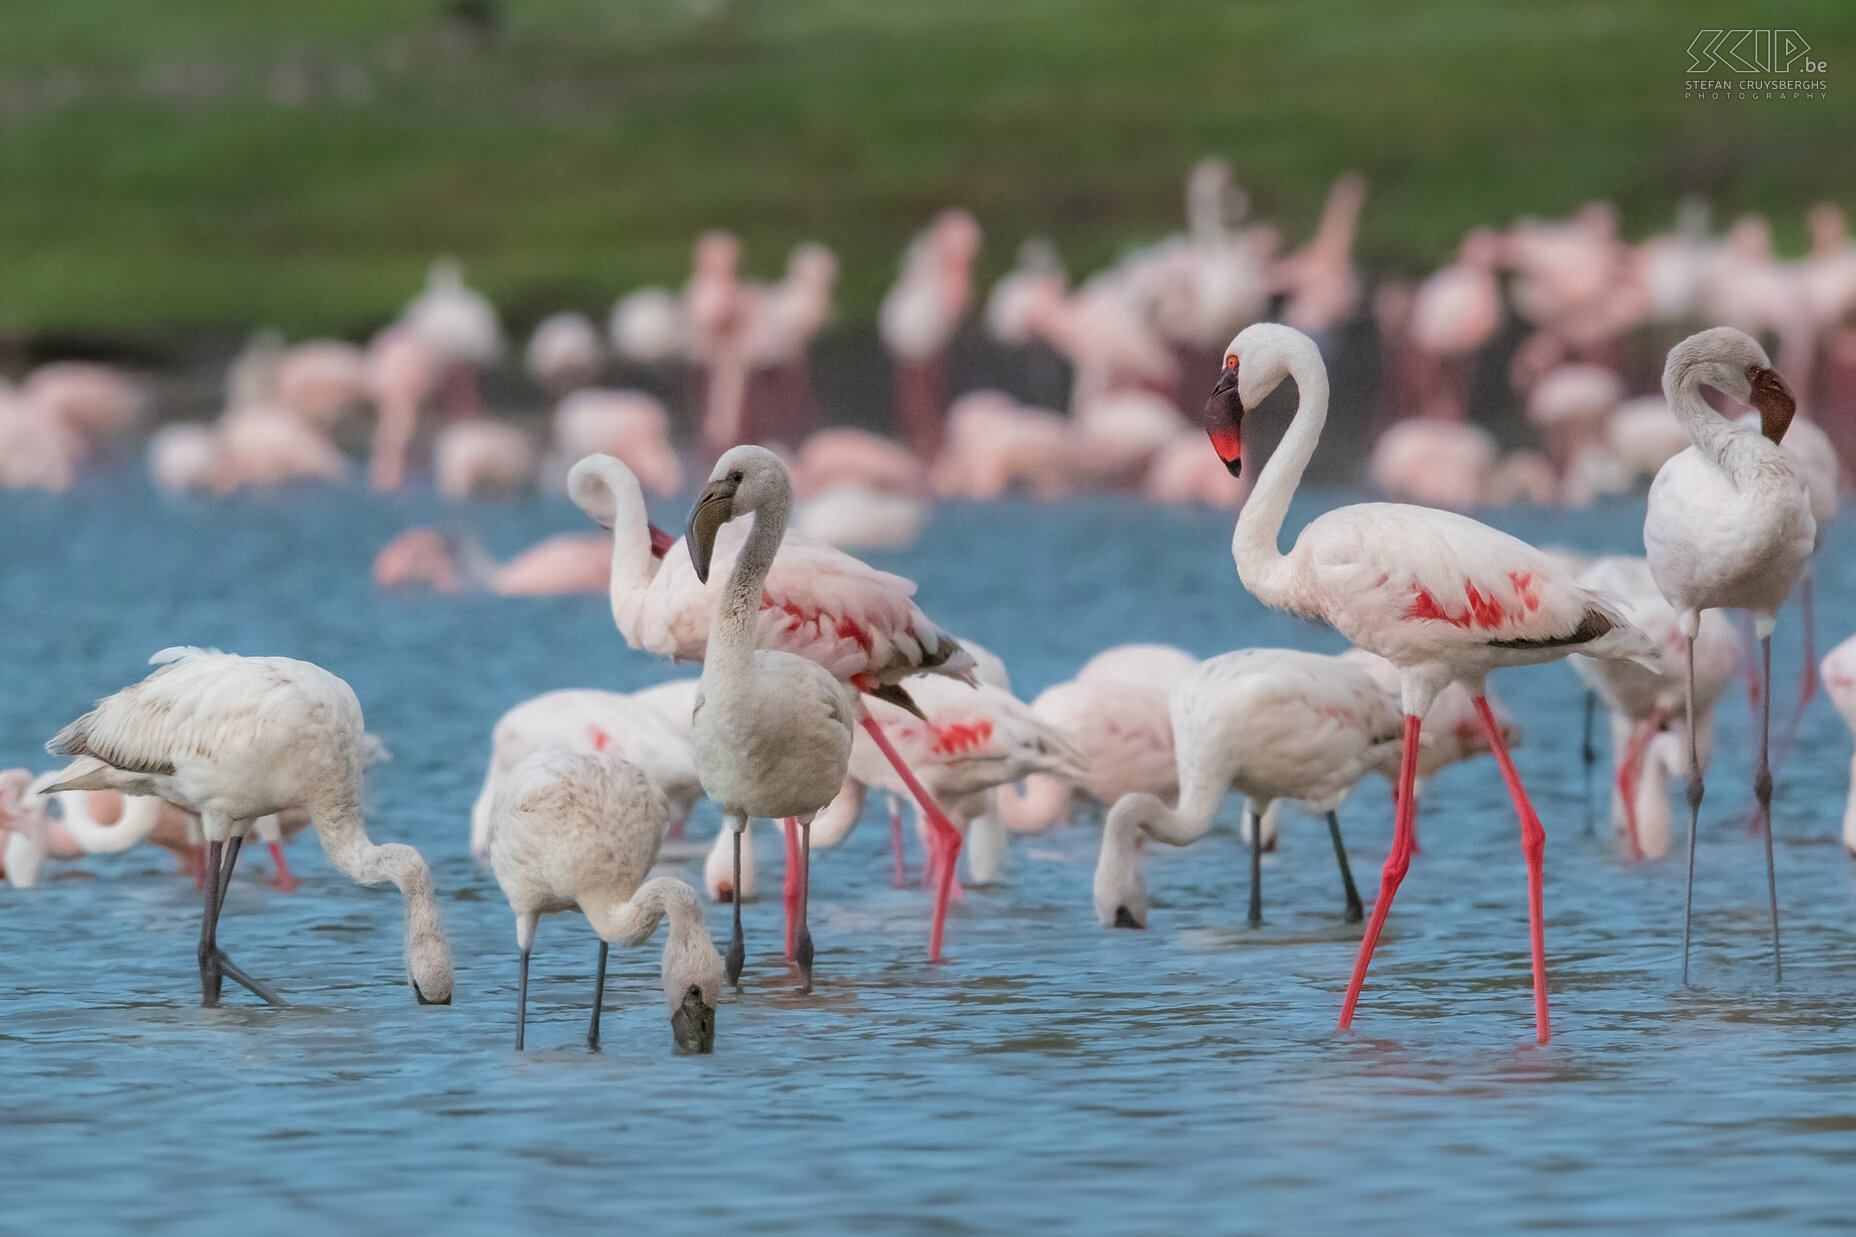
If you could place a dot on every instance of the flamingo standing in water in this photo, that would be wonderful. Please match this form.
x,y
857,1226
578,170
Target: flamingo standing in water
x,y
772,728
1729,525
580,829
1442,597
1839,671
1271,724
240,738
861,624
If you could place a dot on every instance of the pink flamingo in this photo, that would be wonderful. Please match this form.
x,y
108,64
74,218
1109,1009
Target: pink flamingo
x,y
819,603
1440,596
557,565
631,425
483,456
918,319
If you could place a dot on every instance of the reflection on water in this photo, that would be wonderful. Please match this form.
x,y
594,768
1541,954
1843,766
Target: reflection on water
x,y
1053,1077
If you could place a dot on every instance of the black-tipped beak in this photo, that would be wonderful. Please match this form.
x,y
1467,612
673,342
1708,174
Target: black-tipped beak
x,y
1224,420
1124,918
693,1025
714,508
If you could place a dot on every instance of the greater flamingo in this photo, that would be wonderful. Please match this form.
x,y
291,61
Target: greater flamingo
x,y
1839,671
1643,701
581,830
1269,724
772,728
1442,597
243,737
649,729
861,624
1729,525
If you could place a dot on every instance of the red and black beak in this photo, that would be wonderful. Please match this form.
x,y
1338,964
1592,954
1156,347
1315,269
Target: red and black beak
x,y
661,541
1224,419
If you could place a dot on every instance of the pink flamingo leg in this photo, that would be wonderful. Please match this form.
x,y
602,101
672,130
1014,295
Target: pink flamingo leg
x,y
1533,845
1629,769
895,844
286,879
790,888
1397,864
947,837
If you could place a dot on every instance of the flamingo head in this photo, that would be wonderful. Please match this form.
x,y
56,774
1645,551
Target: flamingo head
x,y
1224,417
746,478
1733,363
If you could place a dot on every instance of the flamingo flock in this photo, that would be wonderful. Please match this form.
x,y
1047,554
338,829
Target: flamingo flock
x,y
823,678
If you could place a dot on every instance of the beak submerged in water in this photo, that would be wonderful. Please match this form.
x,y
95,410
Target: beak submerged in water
x,y
693,1025
714,508
1224,419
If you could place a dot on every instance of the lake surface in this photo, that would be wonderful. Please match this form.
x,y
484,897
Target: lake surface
x,y
1052,1077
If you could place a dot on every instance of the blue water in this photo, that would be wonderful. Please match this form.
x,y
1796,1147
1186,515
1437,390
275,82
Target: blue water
x,y
1053,1077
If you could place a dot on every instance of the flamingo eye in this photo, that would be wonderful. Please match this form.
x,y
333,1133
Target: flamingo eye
x,y
1230,362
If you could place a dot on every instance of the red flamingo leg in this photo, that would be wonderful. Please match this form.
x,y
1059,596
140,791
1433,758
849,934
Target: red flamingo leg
x,y
286,879
1397,864
1533,845
895,843
1629,769
790,888
947,837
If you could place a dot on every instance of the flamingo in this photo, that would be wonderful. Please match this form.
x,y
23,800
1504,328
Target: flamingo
x,y
1839,671
482,456
1270,724
1641,700
243,737
29,834
918,318
564,354
321,380
580,829
460,326
861,624
107,821
402,368
1729,525
98,403
1114,712
563,563
843,456
630,425
1442,597
648,729
772,728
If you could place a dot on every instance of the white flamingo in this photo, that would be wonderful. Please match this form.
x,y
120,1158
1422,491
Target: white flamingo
x,y
817,602
581,830
772,728
1270,724
1839,671
1643,701
649,729
1442,597
1729,525
239,738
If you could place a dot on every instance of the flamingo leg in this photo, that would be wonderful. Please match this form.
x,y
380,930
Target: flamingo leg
x,y
214,965
804,952
737,947
1762,790
1629,768
599,997
522,1001
948,837
1807,686
789,887
1696,790
1396,865
286,879
1589,754
1533,845
1355,912
895,843
1256,869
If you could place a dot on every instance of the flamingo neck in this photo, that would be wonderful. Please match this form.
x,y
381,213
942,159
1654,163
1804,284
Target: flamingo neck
x,y
344,837
731,640
1259,526
140,813
1713,435
634,919
634,563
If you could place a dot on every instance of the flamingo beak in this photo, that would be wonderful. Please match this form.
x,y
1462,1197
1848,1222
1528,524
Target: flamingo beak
x,y
1774,400
1224,419
661,542
693,1025
714,508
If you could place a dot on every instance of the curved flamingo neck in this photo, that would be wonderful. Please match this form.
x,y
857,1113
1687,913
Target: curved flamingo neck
x,y
1259,526
1711,433
634,560
140,814
731,639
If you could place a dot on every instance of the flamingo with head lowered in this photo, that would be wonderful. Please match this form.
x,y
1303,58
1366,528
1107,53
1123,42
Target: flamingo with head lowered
x,y
816,602
1442,597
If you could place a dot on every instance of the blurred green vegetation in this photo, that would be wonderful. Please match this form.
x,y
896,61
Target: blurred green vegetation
x,y
218,163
